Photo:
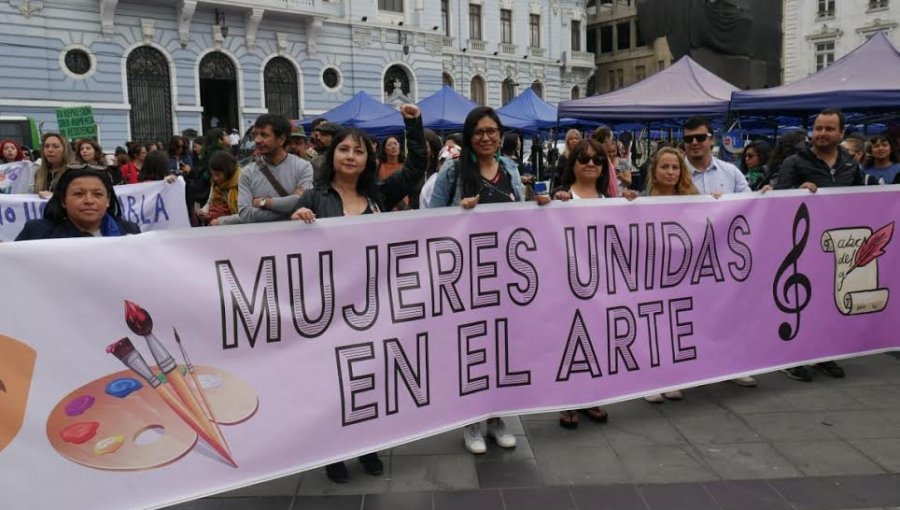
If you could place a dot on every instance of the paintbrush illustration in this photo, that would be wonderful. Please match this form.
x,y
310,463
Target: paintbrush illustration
x,y
140,322
207,408
124,350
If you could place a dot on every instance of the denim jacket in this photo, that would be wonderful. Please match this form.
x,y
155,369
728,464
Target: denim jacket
x,y
448,174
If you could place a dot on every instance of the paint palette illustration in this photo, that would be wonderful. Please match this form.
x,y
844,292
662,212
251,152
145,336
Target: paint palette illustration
x,y
120,423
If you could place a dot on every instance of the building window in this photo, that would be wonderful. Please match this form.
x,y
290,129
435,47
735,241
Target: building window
x,y
660,65
149,95
78,62
640,72
538,89
606,39
623,36
331,78
576,35
475,22
280,79
506,26
612,79
592,85
639,37
507,91
476,90
534,30
825,9
824,54
445,16
447,79
620,78
576,92
390,5
592,41
878,4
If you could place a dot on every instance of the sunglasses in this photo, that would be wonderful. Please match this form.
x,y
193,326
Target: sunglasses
x,y
97,168
584,159
696,138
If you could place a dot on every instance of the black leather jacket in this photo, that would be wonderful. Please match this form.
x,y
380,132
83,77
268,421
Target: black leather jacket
x,y
805,166
325,202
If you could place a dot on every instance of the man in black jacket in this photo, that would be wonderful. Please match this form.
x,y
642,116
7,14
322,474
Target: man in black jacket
x,y
823,164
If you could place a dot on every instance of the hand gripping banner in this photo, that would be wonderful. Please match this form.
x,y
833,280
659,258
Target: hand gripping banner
x,y
148,370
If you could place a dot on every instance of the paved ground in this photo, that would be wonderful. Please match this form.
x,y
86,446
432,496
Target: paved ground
x,y
826,445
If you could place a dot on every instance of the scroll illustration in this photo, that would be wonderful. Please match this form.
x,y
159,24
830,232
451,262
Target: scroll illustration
x,y
16,370
856,251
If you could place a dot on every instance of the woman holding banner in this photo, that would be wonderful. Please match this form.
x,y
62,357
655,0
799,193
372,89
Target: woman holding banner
x,y
480,175
585,176
84,205
349,186
56,153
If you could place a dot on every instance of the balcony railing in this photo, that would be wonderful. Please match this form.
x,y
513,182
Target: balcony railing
x,y
447,41
579,59
477,45
536,52
507,48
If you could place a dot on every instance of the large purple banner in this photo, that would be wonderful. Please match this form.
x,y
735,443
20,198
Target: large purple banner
x,y
277,348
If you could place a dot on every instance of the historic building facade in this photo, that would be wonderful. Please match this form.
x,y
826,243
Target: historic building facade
x,y
818,32
152,68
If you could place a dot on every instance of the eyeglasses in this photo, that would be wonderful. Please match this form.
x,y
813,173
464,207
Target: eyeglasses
x,y
489,132
584,159
696,138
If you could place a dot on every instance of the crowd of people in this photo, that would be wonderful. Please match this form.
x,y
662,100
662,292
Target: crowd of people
x,y
342,171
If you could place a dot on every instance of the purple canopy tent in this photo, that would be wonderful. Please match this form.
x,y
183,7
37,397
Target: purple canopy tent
x,y
682,90
867,79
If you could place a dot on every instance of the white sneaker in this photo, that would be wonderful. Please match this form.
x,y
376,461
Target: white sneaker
x,y
747,382
473,438
497,429
655,399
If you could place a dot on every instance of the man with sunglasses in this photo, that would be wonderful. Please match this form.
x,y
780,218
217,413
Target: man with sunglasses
x,y
711,175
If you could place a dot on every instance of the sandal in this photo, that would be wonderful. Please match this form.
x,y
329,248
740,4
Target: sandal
x,y
596,414
568,419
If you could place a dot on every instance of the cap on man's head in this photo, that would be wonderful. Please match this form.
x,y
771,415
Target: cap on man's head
x,y
297,130
328,128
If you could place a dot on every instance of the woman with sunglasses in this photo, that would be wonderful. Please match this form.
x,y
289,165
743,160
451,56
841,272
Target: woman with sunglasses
x,y
180,161
84,205
586,175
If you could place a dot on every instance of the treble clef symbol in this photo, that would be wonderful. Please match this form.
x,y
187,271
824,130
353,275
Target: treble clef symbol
x,y
793,294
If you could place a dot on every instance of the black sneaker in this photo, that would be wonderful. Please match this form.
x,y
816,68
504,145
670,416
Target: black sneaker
x,y
800,373
372,464
337,472
831,368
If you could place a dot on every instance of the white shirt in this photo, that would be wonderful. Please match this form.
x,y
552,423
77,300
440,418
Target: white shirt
x,y
719,176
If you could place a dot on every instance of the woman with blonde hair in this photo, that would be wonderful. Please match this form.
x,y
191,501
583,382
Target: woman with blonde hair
x,y
56,153
669,174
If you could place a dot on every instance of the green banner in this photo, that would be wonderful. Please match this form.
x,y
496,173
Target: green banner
x,y
76,123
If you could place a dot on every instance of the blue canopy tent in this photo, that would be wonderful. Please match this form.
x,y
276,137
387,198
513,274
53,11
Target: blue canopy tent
x,y
682,90
866,79
529,114
361,111
445,110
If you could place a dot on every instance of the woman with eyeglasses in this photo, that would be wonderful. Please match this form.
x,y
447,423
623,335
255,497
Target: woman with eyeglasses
x,y
84,205
480,174
89,152
56,153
